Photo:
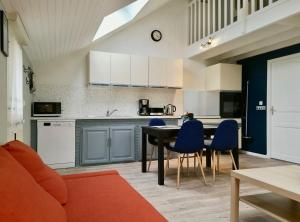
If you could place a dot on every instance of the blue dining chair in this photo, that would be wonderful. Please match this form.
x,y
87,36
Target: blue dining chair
x,y
151,139
225,139
190,140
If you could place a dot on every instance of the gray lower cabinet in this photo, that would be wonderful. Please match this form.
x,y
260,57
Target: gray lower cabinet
x,y
107,144
95,141
122,143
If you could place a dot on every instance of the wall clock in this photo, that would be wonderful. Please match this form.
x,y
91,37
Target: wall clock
x,y
156,35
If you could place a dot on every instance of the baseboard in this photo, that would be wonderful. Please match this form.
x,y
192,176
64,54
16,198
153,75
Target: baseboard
x,y
254,154
61,165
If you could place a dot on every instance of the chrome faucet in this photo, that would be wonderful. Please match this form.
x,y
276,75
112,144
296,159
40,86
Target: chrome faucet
x,y
109,113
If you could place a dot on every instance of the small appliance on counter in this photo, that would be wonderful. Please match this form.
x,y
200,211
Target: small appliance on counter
x,y
155,111
169,109
46,109
143,107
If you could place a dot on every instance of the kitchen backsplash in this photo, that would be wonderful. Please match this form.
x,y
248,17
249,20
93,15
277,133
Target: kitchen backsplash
x,y
96,100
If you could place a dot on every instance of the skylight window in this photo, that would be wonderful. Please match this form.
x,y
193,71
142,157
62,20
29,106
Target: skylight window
x,y
119,18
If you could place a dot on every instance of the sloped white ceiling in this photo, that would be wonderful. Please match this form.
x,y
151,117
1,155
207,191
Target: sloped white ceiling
x,y
59,27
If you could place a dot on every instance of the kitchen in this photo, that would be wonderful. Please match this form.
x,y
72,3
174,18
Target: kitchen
x,y
115,136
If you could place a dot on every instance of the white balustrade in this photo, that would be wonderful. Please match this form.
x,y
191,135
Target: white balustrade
x,y
205,17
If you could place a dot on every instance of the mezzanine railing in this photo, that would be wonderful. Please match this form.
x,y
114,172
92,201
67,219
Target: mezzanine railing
x,y
206,17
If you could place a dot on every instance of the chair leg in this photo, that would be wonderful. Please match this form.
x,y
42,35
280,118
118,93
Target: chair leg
x,y
201,154
168,158
201,168
218,161
232,160
166,168
214,165
194,163
188,164
152,151
181,161
178,171
167,162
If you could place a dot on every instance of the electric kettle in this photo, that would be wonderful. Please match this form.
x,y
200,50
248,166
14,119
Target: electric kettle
x,y
169,109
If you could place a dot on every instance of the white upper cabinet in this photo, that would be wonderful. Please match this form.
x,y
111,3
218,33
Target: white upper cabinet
x,y
120,69
223,77
99,68
125,70
174,73
139,70
157,72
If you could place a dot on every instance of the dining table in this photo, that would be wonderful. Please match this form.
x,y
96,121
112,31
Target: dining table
x,y
166,133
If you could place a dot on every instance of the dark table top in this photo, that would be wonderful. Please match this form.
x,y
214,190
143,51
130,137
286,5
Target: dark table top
x,y
169,130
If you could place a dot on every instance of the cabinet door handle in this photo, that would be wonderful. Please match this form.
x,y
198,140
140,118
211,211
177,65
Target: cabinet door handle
x,y
109,142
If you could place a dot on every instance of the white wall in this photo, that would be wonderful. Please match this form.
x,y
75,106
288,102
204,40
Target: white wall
x,y
27,103
4,93
3,96
66,78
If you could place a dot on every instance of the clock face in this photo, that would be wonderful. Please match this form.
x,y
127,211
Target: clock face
x,y
156,35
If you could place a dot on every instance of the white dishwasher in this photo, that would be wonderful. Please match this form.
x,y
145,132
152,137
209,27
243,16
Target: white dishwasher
x,y
56,142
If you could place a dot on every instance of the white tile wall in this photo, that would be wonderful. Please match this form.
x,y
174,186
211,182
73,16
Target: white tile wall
x,y
95,100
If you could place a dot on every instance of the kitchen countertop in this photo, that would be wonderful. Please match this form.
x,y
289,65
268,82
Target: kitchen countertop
x,y
115,117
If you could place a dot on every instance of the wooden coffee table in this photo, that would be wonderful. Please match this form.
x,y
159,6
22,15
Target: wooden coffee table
x,y
281,203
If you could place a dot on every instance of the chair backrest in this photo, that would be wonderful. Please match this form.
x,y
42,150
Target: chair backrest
x,y
190,138
226,136
155,122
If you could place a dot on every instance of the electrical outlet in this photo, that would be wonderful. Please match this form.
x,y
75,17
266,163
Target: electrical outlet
x,y
260,108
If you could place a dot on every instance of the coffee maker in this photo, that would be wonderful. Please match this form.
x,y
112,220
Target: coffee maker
x,y
143,107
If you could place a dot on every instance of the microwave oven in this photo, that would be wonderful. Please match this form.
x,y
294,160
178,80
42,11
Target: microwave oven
x,y
46,109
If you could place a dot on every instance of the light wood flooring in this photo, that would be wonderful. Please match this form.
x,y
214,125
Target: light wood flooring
x,y
193,201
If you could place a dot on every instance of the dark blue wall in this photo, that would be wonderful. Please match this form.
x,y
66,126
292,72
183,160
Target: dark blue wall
x,y
255,71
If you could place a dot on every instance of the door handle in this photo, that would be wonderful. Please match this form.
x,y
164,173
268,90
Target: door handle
x,y
108,142
272,110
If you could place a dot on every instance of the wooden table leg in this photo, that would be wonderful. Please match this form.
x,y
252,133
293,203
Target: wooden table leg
x,y
235,193
160,154
235,153
144,152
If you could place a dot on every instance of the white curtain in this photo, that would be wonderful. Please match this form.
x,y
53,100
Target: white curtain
x,y
15,89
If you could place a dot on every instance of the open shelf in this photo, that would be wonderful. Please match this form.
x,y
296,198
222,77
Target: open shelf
x,y
279,207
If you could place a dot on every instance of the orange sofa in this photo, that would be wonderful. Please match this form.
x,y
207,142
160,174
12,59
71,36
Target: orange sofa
x,y
32,192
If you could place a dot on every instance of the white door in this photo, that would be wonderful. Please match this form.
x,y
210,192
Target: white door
x,y
284,105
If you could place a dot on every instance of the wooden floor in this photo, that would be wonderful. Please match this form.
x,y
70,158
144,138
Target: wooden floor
x,y
193,201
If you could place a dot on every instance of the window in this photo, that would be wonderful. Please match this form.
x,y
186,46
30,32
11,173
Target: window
x,y
15,89
119,18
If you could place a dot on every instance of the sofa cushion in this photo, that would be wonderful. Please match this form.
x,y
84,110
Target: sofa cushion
x,y
21,198
106,196
47,178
